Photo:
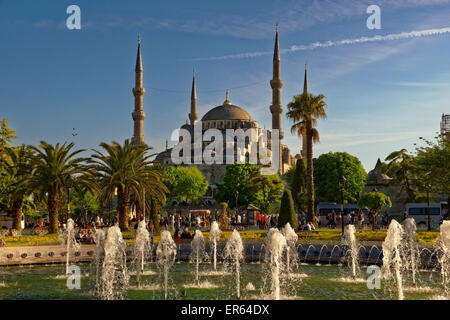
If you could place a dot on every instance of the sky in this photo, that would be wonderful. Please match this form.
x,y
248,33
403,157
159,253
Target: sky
x,y
385,87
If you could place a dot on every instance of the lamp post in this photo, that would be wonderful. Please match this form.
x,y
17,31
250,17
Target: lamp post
x,y
69,187
237,197
341,187
427,184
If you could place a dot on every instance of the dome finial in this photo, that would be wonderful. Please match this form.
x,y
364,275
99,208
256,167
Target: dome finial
x,y
226,99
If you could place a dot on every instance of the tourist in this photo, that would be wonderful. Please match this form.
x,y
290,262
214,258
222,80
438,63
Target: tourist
x,y
332,219
348,218
303,218
186,234
405,215
239,219
177,236
151,228
90,237
352,217
360,219
79,235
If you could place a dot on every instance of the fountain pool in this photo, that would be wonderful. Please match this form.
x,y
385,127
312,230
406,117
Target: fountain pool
x,y
317,282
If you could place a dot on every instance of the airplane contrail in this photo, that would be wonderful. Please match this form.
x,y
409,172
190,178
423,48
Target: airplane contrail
x,y
312,46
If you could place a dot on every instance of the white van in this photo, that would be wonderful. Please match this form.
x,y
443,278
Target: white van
x,y
7,221
419,212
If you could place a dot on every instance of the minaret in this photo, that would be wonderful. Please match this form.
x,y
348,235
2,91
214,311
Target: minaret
x,y
276,83
193,116
138,92
305,91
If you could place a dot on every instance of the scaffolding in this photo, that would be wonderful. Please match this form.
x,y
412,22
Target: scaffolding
x,y
445,126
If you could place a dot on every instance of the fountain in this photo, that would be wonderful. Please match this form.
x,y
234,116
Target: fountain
x,y
68,240
198,252
391,255
214,236
114,274
142,249
443,242
233,252
275,244
165,256
349,234
411,247
291,248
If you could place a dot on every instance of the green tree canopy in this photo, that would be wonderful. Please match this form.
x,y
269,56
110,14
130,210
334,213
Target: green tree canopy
x,y
287,211
296,181
403,175
432,165
327,170
54,169
185,183
237,177
126,169
251,185
6,136
374,201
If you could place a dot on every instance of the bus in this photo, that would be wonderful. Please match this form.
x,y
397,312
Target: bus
x,y
324,209
419,212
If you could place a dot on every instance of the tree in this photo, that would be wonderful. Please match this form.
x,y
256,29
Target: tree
x,y
18,166
298,188
126,169
6,136
155,206
287,211
186,184
374,201
54,168
402,176
329,167
432,165
85,202
304,111
268,189
237,177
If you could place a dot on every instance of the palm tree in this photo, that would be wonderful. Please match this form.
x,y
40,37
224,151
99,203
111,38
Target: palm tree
x,y
18,166
126,170
403,175
55,168
304,111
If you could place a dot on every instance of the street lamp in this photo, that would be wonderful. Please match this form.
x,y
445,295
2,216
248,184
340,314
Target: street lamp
x,y
237,196
69,187
427,184
341,187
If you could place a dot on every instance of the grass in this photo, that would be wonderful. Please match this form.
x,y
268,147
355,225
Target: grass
x,y
324,235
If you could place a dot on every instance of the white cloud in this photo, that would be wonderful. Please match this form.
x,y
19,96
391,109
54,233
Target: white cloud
x,y
327,44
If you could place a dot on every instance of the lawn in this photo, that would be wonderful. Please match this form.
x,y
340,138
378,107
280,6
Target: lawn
x,y
320,235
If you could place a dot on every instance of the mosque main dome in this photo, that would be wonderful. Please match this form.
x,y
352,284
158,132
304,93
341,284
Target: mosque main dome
x,y
227,112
